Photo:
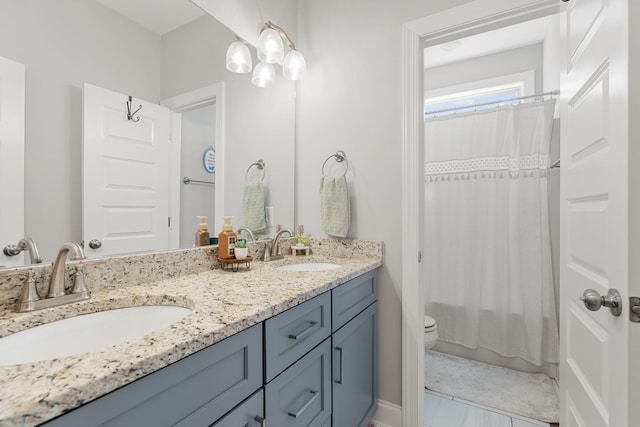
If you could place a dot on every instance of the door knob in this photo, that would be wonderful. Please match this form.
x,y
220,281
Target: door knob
x,y
95,244
634,309
593,301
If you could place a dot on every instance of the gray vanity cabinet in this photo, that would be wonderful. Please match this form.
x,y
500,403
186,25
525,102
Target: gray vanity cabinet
x,y
298,364
301,395
289,370
245,414
293,333
354,351
351,298
194,391
355,386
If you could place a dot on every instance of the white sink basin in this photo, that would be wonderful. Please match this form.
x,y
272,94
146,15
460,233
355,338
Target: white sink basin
x,y
86,333
309,266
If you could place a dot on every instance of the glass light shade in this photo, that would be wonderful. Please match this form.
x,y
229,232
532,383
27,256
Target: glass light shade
x,y
264,75
294,65
238,58
270,47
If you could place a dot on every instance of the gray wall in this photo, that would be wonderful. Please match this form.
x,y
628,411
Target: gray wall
x,y
351,99
64,44
485,67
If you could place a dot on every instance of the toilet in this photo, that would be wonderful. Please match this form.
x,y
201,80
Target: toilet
x,y
430,332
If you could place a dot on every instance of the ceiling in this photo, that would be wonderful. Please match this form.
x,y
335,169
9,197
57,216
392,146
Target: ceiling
x,y
158,16
163,16
512,37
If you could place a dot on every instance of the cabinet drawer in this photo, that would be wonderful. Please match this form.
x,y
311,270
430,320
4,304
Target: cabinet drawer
x,y
352,297
301,395
201,387
245,414
290,335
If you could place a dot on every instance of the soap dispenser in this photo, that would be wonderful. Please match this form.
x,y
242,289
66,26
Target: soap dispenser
x,y
227,240
202,235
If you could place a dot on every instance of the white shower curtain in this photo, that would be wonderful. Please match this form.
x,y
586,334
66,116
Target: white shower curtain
x,y
489,277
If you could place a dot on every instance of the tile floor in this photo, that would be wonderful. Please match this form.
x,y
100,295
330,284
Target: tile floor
x,y
445,411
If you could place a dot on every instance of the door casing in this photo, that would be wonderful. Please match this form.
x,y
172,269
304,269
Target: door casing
x,y
470,18
180,103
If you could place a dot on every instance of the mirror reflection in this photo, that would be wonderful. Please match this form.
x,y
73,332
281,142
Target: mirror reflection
x,y
68,43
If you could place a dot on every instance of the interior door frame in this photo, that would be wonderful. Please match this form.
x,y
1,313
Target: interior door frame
x,y
12,153
470,18
180,103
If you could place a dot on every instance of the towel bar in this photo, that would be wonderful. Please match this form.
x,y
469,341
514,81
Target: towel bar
x,y
188,180
260,164
340,157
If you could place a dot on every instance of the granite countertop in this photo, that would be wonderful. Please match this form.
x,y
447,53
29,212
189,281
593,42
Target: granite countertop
x,y
222,302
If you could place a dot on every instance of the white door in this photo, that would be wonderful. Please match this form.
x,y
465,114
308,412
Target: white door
x,y
125,174
594,212
12,92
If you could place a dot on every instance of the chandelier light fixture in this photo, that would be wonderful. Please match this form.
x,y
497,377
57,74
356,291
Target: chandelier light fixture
x,y
270,51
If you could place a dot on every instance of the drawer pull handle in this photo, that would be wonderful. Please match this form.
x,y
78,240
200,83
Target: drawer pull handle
x,y
314,395
339,381
313,326
261,421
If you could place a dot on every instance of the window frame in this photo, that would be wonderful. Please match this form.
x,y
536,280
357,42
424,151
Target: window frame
x,y
523,83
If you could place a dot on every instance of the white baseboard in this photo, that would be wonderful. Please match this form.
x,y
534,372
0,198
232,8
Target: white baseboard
x,y
388,415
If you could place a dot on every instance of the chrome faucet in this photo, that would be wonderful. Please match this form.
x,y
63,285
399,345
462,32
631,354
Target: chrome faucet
x,y
26,243
56,284
249,232
56,295
276,251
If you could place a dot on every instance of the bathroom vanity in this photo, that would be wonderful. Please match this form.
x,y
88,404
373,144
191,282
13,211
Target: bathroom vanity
x,y
291,348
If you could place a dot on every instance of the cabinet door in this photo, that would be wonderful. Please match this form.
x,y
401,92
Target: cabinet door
x,y
355,373
301,395
245,414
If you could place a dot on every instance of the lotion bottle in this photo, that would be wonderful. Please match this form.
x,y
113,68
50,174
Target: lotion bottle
x,y
202,235
227,240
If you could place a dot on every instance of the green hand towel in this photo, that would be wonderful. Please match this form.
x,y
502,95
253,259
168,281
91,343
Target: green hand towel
x,y
253,210
335,211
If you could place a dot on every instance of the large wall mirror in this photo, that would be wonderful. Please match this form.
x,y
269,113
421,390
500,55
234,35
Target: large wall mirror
x,y
67,43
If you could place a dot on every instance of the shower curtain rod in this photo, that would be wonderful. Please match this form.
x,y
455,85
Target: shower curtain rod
x,y
539,95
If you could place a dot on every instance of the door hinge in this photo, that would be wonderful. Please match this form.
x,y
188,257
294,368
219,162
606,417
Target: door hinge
x,y
168,221
419,256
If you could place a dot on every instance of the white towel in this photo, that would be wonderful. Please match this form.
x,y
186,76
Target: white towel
x,y
335,211
253,210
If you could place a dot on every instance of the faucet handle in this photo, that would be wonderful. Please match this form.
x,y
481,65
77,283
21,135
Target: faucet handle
x,y
79,286
29,294
267,250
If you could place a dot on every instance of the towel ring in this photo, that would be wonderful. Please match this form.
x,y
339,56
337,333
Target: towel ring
x,y
340,157
260,164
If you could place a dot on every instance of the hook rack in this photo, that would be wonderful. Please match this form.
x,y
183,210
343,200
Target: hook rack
x,y
340,157
130,114
260,164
